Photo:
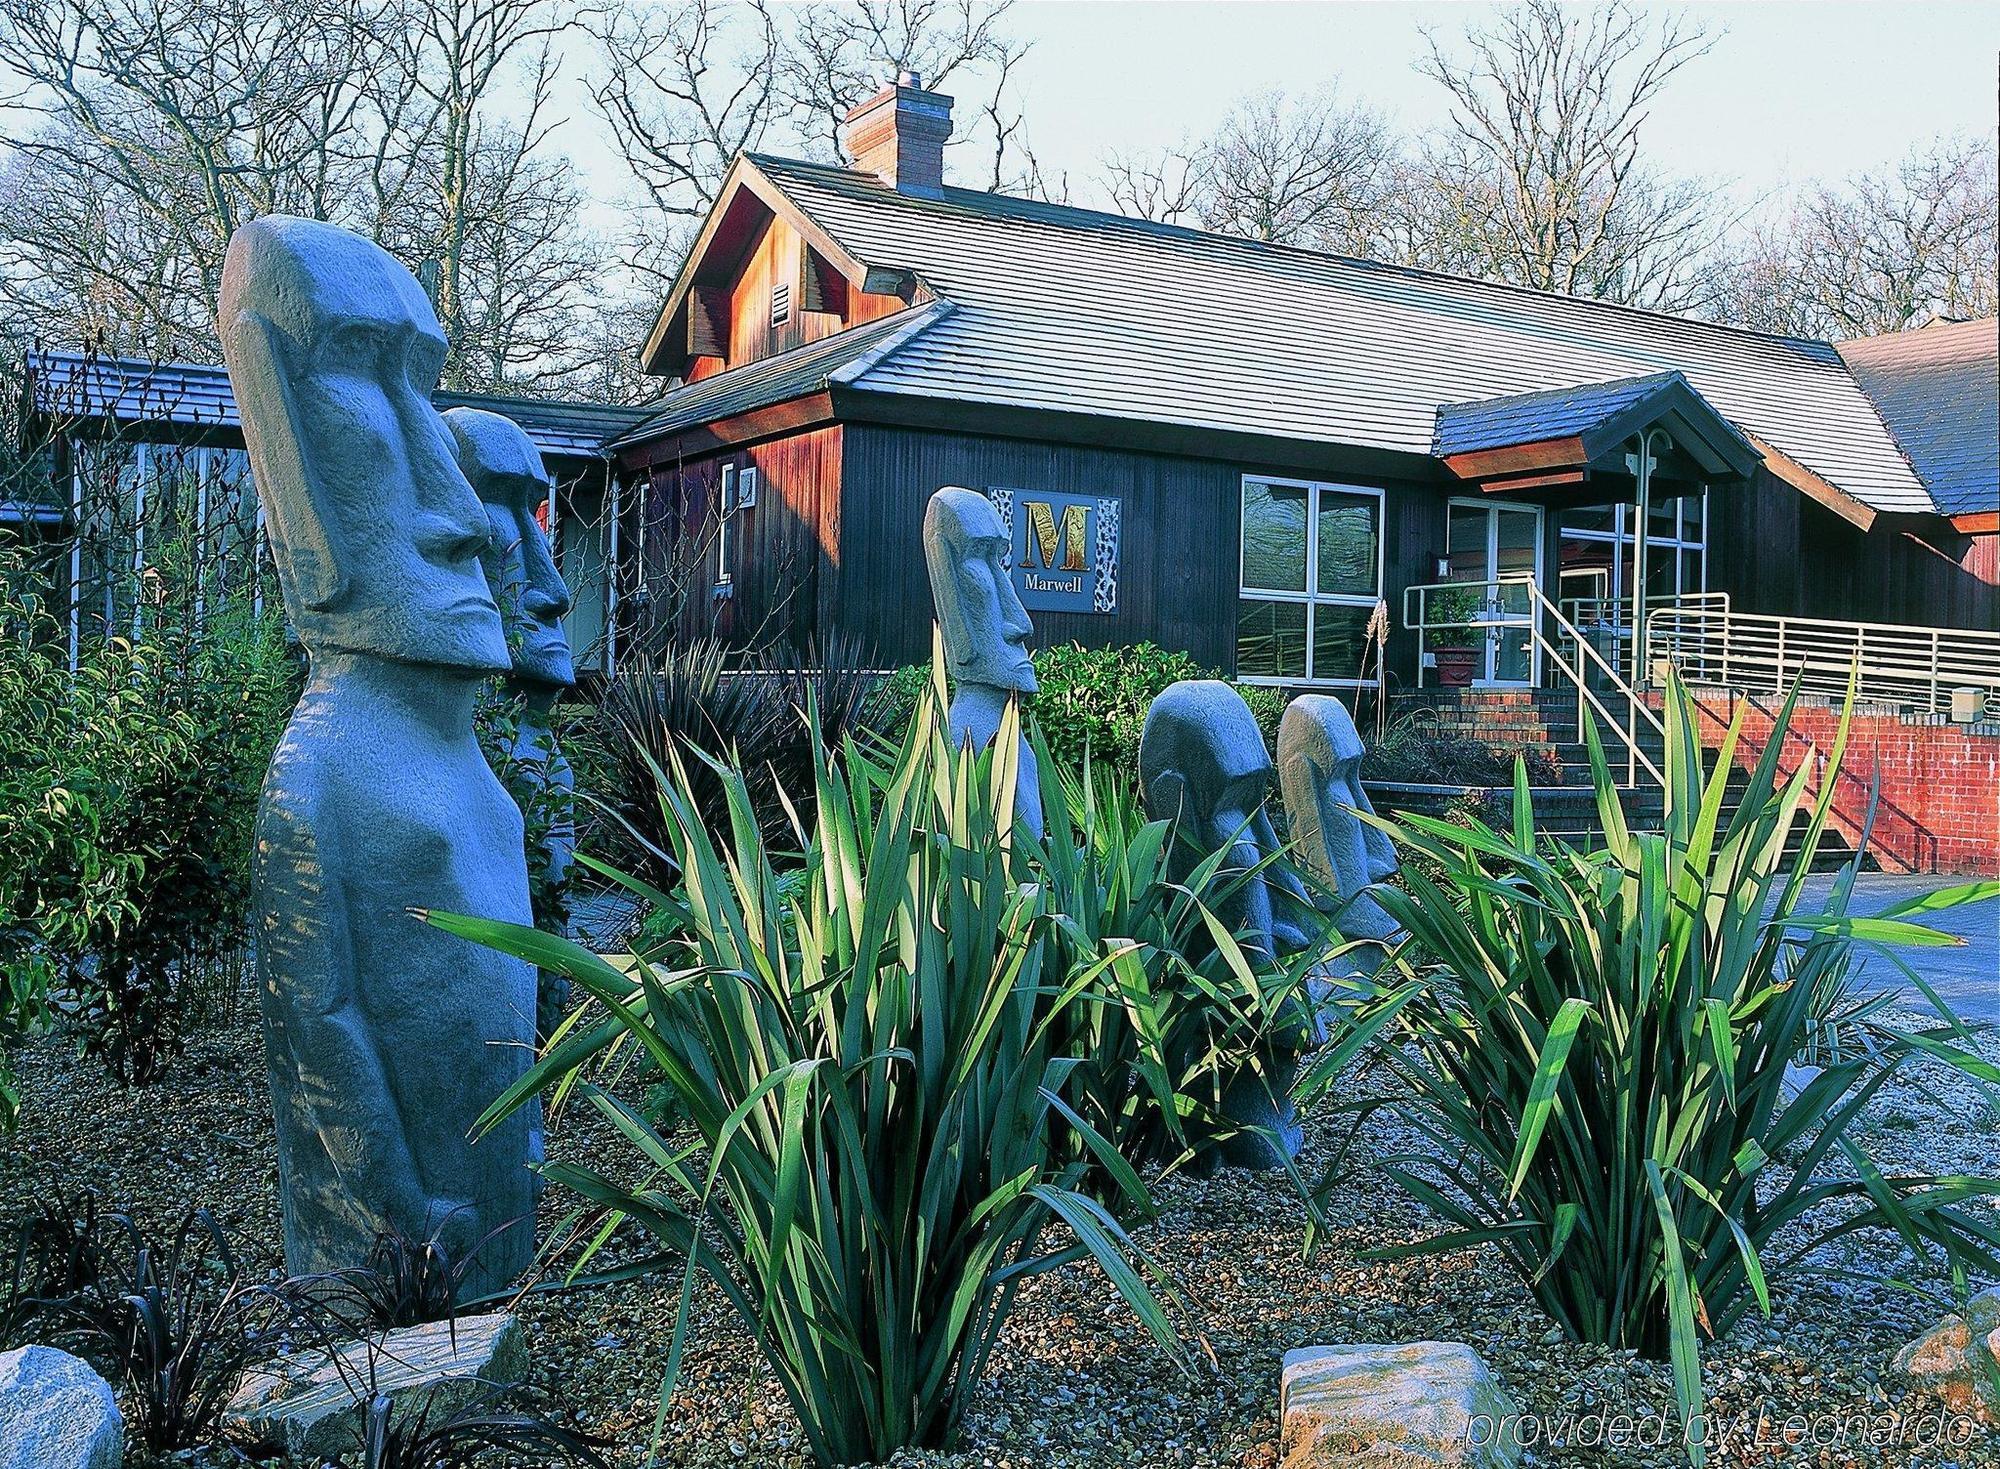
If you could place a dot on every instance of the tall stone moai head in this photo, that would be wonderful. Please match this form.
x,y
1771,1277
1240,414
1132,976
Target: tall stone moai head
x,y
984,625
1319,771
506,471
333,351
1203,765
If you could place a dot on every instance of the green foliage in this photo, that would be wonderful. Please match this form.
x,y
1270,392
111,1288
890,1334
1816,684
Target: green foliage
x,y
1185,1009
1598,1043
867,1067
1093,699
1454,607
131,792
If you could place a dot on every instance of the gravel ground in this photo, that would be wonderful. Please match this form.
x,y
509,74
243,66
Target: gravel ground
x,y
1075,1382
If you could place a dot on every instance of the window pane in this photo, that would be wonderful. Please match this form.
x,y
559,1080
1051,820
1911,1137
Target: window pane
x,y
1694,510
1340,635
1274,537
1591,517
1270,639
1347,538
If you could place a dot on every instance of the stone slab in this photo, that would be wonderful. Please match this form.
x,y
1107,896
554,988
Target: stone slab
x,y
311,1403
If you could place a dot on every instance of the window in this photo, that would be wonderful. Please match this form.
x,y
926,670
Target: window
x,y
1596,549
725,506
1311,576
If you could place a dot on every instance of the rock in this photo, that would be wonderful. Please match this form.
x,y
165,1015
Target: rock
x,y
1959,1359
1419,1405
310,1403
55,1413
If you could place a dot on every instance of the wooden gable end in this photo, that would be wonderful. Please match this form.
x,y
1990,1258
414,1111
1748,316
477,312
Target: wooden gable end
x,y
759,285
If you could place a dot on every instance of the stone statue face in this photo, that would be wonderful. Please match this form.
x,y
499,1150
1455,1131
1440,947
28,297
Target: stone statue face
x,y
1319,767
333,351
986,629
1203,764
506,470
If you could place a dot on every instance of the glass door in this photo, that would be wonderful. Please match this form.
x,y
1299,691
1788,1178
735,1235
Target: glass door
x,y
1484,542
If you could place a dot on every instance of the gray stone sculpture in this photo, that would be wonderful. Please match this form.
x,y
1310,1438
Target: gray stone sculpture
x,y
985,629
1319,771
506,472
1203,765
385,1038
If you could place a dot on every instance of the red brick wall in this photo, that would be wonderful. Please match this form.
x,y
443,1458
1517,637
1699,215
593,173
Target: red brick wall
x,y
1939,783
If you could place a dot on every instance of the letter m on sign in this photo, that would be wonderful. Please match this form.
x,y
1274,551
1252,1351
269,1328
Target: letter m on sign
x,y
1051,540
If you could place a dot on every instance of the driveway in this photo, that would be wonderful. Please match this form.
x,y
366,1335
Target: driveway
x,y
1966,976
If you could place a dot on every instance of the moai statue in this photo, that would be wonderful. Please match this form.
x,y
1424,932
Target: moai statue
x,y
385,1038
506,472
1319,771
985,629
1203,765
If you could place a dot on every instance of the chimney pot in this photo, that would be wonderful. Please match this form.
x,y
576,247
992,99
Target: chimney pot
x,y
899,136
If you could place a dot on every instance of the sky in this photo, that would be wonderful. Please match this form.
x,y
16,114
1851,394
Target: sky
x,y
1794,90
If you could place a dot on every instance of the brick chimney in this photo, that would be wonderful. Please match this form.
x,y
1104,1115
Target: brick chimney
x,y
899,135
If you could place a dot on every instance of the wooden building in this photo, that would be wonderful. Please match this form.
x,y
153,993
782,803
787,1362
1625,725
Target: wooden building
x,y
1257,443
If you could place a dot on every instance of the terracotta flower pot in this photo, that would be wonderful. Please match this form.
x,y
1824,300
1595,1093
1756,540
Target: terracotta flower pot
x,y
1456,666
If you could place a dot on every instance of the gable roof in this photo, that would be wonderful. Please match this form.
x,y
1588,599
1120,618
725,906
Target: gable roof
x,y
1082,312
1938,390
198,397
782,376
1598,420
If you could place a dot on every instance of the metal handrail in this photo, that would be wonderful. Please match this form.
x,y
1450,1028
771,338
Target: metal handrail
x,y
1889,663
1416,617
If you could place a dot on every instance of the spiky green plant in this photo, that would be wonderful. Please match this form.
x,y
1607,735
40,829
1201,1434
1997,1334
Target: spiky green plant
x,y
1596,1055
867,1069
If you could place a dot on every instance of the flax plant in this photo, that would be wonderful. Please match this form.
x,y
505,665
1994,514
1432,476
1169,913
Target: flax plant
x,y
868,1064
1595,1052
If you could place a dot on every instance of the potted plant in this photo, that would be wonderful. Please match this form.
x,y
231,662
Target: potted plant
x,y
1452,641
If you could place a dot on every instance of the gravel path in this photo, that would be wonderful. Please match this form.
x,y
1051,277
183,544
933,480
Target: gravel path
x,y
1075,1383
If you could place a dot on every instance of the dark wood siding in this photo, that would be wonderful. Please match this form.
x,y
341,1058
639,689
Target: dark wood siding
x,y
778,550
1778,553
1178,573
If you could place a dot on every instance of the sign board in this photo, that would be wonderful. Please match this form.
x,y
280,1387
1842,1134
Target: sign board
x,y
1065,549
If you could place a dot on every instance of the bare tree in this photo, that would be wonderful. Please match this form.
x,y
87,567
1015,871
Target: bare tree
x,y
468,193
147,130
1541,175
1305,170
1166,185
837,54
1886,251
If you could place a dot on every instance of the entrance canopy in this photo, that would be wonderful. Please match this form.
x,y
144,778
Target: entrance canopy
x,y
1558,439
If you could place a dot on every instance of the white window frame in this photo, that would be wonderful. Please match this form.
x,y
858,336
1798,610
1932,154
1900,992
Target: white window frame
x,y
1619,537
1309,598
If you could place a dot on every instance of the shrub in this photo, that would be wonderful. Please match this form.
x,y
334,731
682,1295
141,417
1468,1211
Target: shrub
x,y
866,1077
131,793
1093,699
175,1322
1184,1008
1599,1046
750,706
1413,750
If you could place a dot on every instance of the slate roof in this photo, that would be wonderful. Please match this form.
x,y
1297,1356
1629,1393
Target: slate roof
x,y
1938,389
1070,309
1526,418
797,373
1602,418
192,395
